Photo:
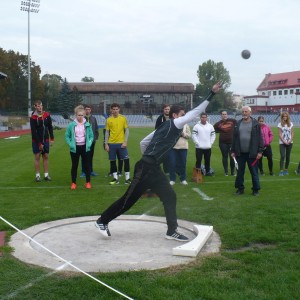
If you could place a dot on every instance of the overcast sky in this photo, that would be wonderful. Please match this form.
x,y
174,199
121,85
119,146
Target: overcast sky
x,y
157,40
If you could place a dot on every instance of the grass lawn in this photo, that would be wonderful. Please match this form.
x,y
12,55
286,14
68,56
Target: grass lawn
x,y
259,258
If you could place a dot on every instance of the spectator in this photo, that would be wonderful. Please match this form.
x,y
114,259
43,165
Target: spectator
x,y
225,129
163,118
148,174
267,136
286,135
116,137
203,135
42,138
92,120
79,136
247,147
178,157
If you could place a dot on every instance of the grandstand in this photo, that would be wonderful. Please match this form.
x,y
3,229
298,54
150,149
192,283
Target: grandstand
x,y
146,121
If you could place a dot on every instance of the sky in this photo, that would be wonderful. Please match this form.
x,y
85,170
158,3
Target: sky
x,y
156,41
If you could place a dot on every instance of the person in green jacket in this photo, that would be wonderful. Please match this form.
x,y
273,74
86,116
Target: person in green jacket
x,y
79,136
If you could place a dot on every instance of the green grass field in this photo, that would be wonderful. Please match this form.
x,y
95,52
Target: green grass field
x,y
259,258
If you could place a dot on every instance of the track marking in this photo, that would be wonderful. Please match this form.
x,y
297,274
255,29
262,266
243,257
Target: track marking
x,y
203,195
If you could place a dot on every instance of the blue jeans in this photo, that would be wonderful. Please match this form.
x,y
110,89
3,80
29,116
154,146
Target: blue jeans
x,y
177,163
239,181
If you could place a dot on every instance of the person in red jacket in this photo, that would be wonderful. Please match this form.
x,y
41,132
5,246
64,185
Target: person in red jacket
x,y
42,138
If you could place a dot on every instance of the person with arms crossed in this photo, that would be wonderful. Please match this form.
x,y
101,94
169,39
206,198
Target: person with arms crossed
x,y
286,136
148,173
79,136
42,137
247,148
116,137
225,129
203,135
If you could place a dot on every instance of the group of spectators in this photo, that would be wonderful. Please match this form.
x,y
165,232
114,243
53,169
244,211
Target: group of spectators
x,y
241,142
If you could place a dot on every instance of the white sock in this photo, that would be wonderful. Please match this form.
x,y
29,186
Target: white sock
x,y
37,175
115,174
46,174
127,175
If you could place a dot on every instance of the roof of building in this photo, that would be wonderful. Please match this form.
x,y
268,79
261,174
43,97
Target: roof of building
x,y
280,80
142,87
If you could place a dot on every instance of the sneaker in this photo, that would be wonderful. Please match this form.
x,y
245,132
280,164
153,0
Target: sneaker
x,y
239,192
255,193
88,185
82,175
172,182
272,174
114,181
184,182
94,174
285,172
119,174
177,236
262,173
47,178
103,228
73,186
233,174
281,173
38,179
226,174
128,181
209,174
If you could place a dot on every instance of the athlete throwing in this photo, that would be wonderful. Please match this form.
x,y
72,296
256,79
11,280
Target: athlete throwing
x,y
148,173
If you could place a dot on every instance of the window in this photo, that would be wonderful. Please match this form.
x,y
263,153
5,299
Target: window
x,y
291,92
285,92
279,92
274,93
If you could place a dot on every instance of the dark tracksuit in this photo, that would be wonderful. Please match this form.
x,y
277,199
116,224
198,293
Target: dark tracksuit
x,y
148,174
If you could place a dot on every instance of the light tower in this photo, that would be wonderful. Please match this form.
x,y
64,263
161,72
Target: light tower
x,y
30,6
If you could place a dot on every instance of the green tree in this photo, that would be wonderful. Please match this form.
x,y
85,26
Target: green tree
x,y
65,98
87,79
209,73
52,87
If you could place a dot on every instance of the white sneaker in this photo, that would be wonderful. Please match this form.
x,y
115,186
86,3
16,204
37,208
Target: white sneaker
x,y
103,229
172,182
184,182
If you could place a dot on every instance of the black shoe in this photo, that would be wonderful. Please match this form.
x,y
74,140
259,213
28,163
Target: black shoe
x,y
119,174
209,174
48,178
272,174
38,178
255,193
103,229
128,181
239,192
262,173
177,236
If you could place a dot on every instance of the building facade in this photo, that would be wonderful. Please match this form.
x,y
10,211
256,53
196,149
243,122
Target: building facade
x,y
134,98
277,92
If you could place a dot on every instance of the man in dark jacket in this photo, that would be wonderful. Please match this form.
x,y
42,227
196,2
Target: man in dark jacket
x,y
148,174
42,138
247,147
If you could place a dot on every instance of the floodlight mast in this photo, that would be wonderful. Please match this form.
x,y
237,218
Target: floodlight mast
x,y
30,6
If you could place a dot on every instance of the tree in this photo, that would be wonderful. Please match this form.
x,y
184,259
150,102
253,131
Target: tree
x,y
52,87
65,98
87,79
208,74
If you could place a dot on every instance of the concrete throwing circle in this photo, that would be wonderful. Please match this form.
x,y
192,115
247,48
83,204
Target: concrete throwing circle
x,y
137,242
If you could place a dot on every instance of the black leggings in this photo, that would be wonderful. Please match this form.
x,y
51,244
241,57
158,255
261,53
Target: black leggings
x,y
85,158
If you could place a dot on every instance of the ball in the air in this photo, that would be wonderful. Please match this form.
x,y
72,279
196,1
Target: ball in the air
x,y
246,54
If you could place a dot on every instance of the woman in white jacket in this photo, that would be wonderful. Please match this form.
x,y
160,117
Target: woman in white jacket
x,y
203,136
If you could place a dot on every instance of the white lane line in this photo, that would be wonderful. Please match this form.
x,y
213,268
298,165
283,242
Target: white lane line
x,y
203,195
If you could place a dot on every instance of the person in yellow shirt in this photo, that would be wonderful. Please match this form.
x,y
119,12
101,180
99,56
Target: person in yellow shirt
x,y
116,137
